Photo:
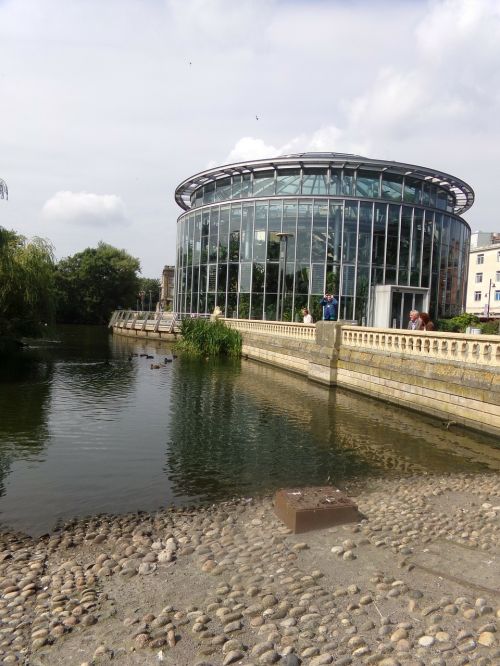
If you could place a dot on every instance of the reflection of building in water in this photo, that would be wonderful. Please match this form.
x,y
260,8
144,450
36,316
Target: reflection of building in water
x,y
223,442
167,288
264,238
383,435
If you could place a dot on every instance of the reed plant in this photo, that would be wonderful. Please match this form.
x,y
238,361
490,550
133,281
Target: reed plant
x,y
204,337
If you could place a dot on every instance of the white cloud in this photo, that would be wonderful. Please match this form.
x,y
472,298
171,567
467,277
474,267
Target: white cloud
x,y
86,209
248,148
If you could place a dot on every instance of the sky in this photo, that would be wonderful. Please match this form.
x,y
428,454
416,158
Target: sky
x,y
107,105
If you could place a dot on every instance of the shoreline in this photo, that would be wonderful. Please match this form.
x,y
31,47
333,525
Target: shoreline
x,y
416,582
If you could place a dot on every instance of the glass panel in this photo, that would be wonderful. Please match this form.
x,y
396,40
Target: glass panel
x,y
232,282
416,246
392,237
288,181
197,237
270,307
348,280
318,279
404,245
258,277
234,245
320,219
205,222
334,232
212,277
441,199
335,182
275,209
209,193
221,285
263,183
198,197
257,306
259,245
290,225
365,233
314,182
245,277
235,218
304,223
348,182
232,304
392,185
302,279
412,190
204,249
223,234
368,184
426,257
379,224
273,246
272,277
350,232
246,232
362,284
223,189
246,185
236,191
244,306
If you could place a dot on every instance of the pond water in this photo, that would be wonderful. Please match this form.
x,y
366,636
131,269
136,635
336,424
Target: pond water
x,y
85,430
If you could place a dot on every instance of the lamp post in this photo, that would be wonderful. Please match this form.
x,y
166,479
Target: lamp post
x,y
490,287
283,237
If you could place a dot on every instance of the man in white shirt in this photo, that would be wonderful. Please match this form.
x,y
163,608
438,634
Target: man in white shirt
x,y
307,316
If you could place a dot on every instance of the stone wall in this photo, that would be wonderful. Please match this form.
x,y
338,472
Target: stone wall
x,y
456,391
452,376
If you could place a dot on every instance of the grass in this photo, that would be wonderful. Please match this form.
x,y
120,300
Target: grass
x,y
204,337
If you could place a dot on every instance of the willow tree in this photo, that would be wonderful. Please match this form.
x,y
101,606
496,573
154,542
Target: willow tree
x,y
26,284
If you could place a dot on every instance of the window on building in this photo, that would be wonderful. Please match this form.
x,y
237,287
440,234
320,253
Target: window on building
x,y
497,295
498,255
497,276
480,259
479,277
477,295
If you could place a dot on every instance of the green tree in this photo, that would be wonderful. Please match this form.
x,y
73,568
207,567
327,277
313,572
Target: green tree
x,y
93,283
150,287
26,285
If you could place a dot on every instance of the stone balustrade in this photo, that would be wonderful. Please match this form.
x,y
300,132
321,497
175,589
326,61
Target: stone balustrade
x,y
283,329
452,376
482,350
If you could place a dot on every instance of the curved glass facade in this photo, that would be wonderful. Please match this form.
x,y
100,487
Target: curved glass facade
x,y
264,243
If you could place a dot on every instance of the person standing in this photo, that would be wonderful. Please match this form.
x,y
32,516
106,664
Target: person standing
x,y
329,304
427,324
415,323
307,317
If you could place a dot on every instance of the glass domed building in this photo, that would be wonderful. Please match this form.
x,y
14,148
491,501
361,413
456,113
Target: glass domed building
x,y
265,238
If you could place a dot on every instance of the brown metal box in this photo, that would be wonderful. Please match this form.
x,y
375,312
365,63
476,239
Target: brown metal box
x,y
304,509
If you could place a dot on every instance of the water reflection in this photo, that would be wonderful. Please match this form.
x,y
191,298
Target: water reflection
x,y
85,430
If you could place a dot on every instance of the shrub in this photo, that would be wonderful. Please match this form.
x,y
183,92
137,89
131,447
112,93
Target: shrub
x,y
204,337
457,324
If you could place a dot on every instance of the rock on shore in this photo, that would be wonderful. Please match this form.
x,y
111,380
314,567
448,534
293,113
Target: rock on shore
x,y
415,582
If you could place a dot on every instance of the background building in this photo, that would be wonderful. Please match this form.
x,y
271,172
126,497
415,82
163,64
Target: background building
x,y
483,289
263,239
167,288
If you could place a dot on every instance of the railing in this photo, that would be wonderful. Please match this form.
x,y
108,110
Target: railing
x,y
481,350
165,322
281,329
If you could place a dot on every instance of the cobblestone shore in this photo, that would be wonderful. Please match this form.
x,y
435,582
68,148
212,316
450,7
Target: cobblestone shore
x,y
415,582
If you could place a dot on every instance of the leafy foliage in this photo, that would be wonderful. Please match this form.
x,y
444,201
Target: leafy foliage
x,y
93,283
457,324
26,285
147,285
204,337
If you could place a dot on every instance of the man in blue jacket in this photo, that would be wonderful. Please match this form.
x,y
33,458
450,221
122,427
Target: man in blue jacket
x,y
329,304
